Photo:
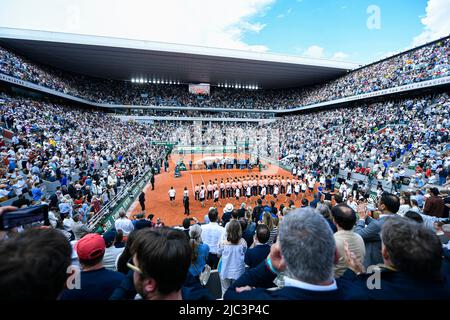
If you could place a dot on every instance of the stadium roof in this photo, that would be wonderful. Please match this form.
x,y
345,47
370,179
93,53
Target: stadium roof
x,y
125,59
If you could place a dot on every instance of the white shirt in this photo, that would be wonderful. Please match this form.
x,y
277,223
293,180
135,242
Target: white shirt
x,y
110,257
275,190
216,194
289,282
172,193
233,265
211,235
124,224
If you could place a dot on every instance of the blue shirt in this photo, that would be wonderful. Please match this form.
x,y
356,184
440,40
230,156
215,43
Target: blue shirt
x,y
37,194
63,181
202,254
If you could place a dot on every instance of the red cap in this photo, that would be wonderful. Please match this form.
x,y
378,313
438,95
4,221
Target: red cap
x,y
90,247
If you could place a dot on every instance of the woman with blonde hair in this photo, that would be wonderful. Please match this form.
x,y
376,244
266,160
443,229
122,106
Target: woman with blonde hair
x,y
268,220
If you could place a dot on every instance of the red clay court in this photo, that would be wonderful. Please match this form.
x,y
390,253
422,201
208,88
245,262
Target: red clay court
x,y
157,201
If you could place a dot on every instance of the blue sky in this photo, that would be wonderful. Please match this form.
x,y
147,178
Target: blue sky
x,y
328,29
340,26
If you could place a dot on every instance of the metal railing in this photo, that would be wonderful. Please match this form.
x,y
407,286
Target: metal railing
x,y
115,203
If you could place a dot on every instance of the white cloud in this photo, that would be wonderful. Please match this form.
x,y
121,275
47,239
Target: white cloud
x,y
340,55
220,23
314,52
317,52
282,15
436,22
253,27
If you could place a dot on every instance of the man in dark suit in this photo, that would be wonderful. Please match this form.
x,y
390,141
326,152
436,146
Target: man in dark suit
x,y
142,200
369,228
412,262
152,181
260,249
305,252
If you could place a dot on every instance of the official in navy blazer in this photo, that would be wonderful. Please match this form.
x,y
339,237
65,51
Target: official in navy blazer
x,y
305,252
260,249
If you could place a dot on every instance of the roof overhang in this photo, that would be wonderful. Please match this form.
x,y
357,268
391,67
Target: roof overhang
x,y
124,59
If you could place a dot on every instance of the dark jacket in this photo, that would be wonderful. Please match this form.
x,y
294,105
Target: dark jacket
x,y
434,206
396,285
254,256
262,278
372,239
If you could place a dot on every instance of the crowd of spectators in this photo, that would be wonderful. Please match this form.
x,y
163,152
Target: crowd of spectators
x,y
424,63
86,155
308,259
326,250
380,140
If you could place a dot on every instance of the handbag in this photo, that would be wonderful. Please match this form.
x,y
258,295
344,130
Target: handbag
x,y
204,276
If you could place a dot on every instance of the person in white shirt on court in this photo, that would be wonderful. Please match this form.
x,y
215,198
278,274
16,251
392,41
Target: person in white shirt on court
x,y
216,198
172,194
202,196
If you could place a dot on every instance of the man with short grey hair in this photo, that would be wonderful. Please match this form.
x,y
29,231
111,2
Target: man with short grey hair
x,y
78,228
305,253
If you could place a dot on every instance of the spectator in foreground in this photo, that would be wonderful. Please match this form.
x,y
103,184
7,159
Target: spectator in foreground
x,y
232,252
412,261
34,265
345,218
305,253
111,252
434,205
260,249
141,222
212,233
369,228
161,260
124,224
78,228
200,250
97,283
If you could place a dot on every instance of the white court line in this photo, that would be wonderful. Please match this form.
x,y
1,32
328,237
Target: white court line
x,y
202,179
192,182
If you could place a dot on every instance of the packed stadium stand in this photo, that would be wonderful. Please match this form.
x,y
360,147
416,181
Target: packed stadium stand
x,y
364,160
